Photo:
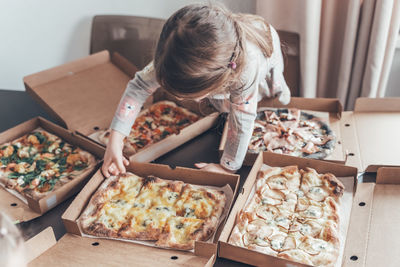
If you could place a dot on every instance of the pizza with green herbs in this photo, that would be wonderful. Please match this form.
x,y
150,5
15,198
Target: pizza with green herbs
x,y
153,124
39,162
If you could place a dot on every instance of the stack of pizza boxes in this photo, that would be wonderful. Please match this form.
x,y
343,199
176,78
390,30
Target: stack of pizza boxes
x,y
368,141
83,95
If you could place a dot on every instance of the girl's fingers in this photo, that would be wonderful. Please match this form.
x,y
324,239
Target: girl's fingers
x,y
113,169
120,165
200,165
126,162
105,168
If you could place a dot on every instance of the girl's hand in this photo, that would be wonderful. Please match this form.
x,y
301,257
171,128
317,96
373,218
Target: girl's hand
x,y
212,167
114,162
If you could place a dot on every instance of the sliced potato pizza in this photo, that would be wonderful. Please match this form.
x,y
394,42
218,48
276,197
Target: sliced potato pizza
x,y
294,214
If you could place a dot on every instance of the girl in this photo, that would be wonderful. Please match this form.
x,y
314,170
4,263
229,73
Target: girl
x,y
206,51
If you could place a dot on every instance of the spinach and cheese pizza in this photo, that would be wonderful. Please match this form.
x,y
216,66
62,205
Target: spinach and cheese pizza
x,y
171,213
39,162
153,124
294,214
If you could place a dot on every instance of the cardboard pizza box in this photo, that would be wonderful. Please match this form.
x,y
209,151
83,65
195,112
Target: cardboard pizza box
x,y
372,233
84,95
370,133
373,236
367,138
43,250
332,110
146,255
232,252
24,208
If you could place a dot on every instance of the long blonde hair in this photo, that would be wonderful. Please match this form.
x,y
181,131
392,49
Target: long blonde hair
x,y
202,49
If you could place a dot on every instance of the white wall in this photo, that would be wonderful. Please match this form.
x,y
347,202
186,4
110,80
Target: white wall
x,y
39,34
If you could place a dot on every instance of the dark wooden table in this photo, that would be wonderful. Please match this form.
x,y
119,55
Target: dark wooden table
x,y
17,107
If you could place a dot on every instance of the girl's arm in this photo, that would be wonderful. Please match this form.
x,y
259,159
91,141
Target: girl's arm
x,y
137,91
241,118
243,108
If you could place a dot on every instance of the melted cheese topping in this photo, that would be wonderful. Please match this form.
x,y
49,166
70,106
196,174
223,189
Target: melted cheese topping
x,y
181,229
148,211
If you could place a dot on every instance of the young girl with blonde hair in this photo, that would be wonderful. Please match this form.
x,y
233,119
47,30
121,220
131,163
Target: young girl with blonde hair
x,y
206,51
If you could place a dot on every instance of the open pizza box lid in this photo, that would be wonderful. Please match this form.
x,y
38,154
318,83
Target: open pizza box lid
x,y
84,95
370,133
330,109
44,250
97,250
374,235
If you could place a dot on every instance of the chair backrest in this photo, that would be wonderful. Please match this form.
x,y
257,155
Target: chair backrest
x,y
133,37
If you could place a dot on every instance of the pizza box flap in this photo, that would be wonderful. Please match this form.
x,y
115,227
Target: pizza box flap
x,y
40,243
373,234
331,105
83,94
371,133
84,251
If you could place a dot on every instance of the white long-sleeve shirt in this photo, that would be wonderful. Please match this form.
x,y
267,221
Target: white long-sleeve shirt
x,y
262,77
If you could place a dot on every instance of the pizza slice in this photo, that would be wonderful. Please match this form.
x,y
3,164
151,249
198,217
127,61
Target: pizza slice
x,y
202,203
320,186
151,208
182,232
108,209
277,186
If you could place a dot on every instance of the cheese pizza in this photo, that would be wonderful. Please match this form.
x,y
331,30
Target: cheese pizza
x,y
292,132
153,124
172,213
39,163
294,214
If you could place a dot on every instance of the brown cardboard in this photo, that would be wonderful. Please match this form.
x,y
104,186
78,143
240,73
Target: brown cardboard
x,y
16,208
330,105
244,255
39,244
371,133
373,236
85,93
202,250
72,250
